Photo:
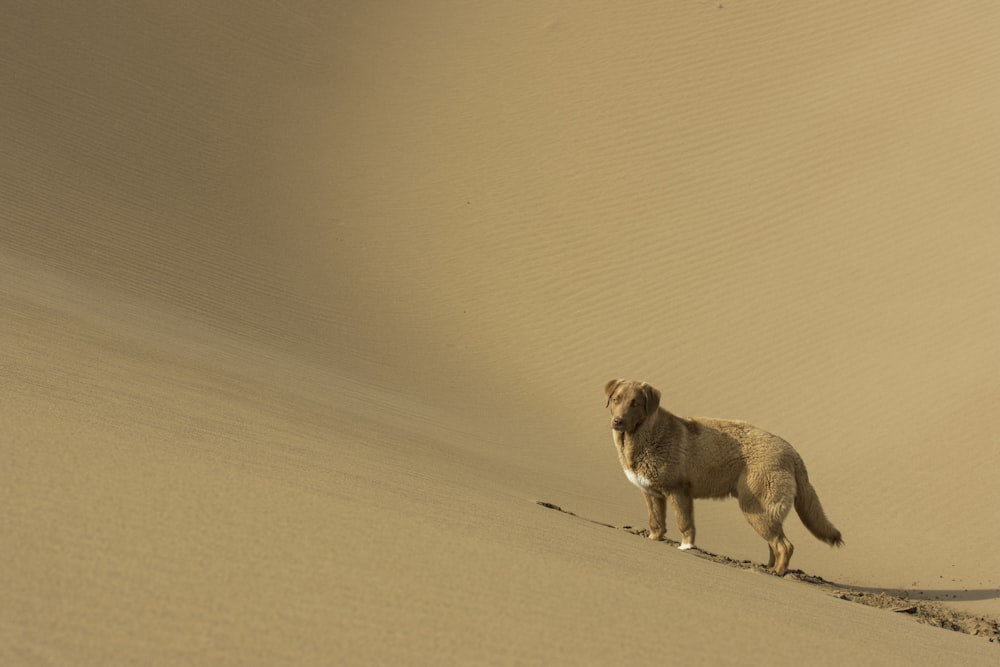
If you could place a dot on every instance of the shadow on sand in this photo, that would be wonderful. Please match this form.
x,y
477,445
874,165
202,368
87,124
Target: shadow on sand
x,y
932,594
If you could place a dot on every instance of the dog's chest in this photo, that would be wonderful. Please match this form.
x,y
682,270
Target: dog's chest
x,y
629,466
644,484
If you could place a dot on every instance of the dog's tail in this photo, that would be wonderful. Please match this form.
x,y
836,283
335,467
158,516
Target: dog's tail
x,y
810,510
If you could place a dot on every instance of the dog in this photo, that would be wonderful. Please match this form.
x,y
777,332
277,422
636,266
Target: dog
x,y
667,456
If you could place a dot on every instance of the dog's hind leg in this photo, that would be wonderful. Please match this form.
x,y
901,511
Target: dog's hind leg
x,y
781,552
657,508
765,505
684,514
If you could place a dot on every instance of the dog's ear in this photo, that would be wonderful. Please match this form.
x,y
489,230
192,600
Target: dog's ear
x,y
652,395
609,389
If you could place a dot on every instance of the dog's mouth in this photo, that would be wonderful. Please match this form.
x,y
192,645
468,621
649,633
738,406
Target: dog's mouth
x,y
618,425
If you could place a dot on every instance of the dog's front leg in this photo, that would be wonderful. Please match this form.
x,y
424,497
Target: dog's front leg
x,y
684,513
657,506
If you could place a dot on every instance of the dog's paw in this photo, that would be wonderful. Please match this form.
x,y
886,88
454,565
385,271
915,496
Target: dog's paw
x,y
656,537
685,546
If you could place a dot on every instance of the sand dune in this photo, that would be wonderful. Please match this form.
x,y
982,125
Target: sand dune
x,y
305,308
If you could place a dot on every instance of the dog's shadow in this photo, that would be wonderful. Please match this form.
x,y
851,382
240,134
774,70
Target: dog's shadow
x,y
931,594
927,604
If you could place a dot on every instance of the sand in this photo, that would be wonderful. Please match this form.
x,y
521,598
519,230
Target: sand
x,y
306,308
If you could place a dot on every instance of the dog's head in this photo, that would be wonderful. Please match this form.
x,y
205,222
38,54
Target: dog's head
x,y
630,403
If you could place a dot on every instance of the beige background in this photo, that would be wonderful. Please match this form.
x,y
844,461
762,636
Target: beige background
x,y
304,305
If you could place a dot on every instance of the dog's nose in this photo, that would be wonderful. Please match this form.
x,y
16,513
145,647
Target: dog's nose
x,y
617,423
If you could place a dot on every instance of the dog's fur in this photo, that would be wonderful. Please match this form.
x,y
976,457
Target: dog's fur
x,y
670,457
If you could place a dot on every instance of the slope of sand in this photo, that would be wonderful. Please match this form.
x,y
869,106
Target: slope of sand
x,y
305,308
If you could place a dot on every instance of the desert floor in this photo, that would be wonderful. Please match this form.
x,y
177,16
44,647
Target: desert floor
x,y
306,311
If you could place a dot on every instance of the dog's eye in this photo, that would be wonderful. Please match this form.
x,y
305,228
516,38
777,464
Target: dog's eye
x,y
632,404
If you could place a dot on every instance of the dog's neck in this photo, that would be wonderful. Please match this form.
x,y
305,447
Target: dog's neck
x,y
633,443
629,442
623,444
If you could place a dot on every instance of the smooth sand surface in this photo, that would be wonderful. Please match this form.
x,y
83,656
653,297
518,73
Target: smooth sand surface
x,y
306,305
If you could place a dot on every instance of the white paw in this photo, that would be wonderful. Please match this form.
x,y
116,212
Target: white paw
x,y
685,546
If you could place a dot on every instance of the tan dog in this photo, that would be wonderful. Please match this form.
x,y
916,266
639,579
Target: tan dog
x,y
670,457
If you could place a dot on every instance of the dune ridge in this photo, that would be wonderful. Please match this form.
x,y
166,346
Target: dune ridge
x,y
910,602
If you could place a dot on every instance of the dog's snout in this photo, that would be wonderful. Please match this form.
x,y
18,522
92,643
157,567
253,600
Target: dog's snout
x,y
618,423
